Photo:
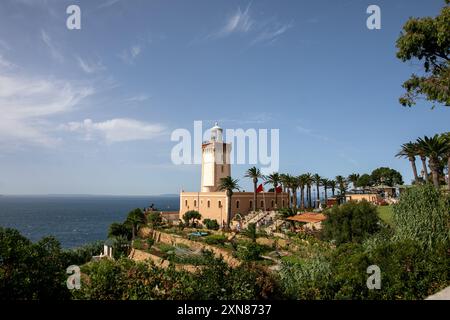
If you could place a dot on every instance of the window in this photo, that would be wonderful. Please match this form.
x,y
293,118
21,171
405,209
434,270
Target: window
x,y
262,204
251,204
209,203
220,204
272,203
185,203
237,204
283,203
195,203
221,168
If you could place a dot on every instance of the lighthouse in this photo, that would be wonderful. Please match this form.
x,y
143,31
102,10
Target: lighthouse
x,y
215,160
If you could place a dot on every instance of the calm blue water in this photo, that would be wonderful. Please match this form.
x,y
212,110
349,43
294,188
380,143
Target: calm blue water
x,y
73,220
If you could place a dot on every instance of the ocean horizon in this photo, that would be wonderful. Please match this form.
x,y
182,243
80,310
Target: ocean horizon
x,y
74,220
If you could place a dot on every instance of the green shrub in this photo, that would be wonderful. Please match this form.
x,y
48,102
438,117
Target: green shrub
x,y
422,214
211,224
251,251
191,216
154,219
216,239
350,222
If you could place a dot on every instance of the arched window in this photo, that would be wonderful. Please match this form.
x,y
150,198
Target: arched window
x,y
273,202
251,204
220,204
237,204
209,203
195,203
283,203
185,203
262,203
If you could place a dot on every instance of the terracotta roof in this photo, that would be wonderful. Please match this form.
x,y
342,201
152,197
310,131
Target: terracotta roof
x,y
308,217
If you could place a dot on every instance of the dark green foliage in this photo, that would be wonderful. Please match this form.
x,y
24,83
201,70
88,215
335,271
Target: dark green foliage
x,y
154,219
364,181
191,216
215,239
386,176
211,224
250,232
31,270
427,40
423,214
81,255
251,251
120,230
350,222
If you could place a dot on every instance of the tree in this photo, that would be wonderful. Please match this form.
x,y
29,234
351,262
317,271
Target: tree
x,y
309,181
435,148
409,151
302,182
211,224
422,153
191,216
228,184
353,178
332,184
427,40
325,183
120,230
446,138
342,184
422,214
135,220
350,222
273,179
386,176
364,181
154,218
254,174
31,271
317,181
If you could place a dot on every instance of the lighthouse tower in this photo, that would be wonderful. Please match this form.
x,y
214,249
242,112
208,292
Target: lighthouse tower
x,y
215,160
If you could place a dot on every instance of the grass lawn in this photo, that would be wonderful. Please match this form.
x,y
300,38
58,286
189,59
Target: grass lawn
x,y
385,214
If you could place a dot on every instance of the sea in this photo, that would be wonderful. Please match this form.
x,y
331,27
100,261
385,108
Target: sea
x,y
74,220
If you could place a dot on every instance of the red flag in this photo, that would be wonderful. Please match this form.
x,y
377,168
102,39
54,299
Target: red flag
x,y
279,189
260,188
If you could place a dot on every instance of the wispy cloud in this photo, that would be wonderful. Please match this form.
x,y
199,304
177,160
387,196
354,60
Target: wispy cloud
x,y
116,130
129,55
272,33
108,3
239,22
90,66
54,51
138,98
27,104
5,64
261,31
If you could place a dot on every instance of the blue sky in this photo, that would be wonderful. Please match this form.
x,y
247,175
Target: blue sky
x,y
91,111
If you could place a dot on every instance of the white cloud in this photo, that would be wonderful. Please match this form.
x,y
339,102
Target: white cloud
x,y
89,66
129,55
238,22
116,130
271,34
27,104
138,98
54,51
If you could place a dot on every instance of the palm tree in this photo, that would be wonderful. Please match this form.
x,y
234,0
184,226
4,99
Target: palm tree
x,y
309,181
302,180
420,148
285,181
325,183
273,179
228,184
446,137
353,178
317,181
409,151
342,183
332,184
254,174
294,185
435,148
135,220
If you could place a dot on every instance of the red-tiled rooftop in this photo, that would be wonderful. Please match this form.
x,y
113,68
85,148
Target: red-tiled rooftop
x,y
308,217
